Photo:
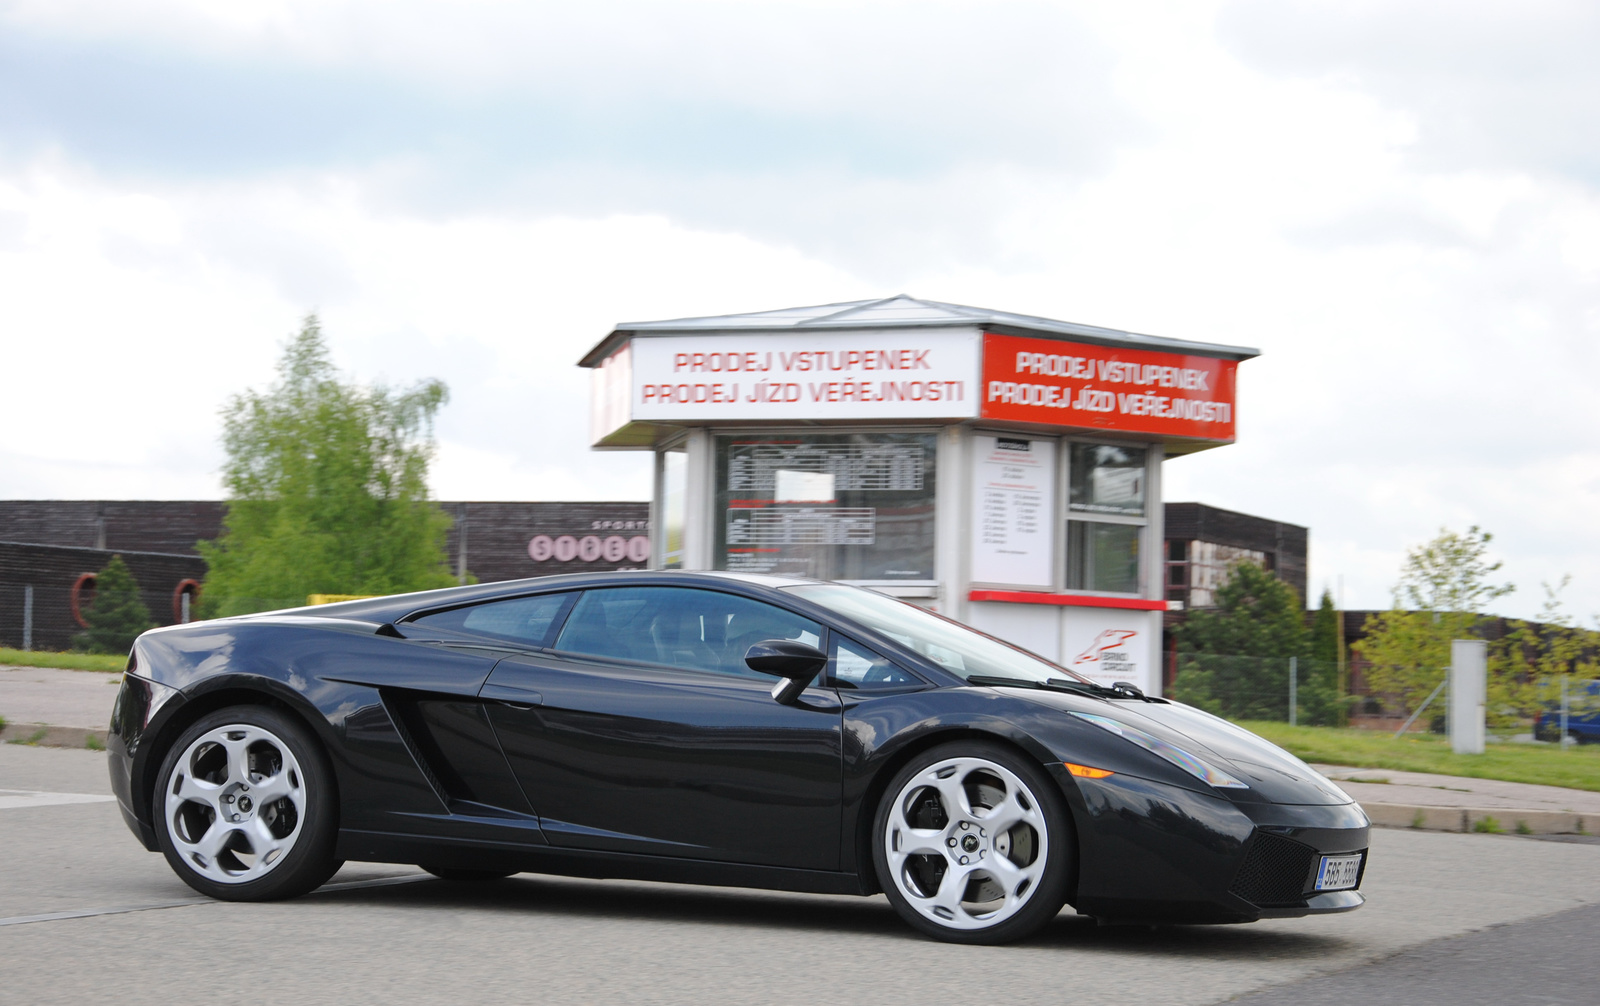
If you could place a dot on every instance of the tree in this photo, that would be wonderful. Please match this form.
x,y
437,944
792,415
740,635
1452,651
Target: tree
x,y
327,488
1319,676
117,615
1325,630
1234,661
1526,665
1446,583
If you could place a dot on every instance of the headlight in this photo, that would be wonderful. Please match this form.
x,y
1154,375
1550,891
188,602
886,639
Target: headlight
x,y
1176,755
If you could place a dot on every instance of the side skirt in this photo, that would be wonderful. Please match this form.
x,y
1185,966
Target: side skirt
x,y
387,847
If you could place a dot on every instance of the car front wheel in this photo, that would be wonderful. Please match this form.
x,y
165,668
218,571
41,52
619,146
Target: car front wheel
x,y
973,844
245,807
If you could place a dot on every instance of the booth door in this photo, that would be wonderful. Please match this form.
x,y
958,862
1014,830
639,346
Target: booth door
x,y
643,732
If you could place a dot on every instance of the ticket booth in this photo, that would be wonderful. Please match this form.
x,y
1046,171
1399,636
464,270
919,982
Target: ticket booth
x,y
1001,469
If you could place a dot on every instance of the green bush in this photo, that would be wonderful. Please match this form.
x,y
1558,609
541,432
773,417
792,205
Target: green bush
x,y
118,615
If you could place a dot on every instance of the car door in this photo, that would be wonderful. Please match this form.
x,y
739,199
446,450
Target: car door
x,y
642,731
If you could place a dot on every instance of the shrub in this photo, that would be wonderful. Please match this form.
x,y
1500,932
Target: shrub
x,y
117,615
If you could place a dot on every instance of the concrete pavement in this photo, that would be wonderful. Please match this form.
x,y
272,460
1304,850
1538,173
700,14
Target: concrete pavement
x,y
1454,803
47,695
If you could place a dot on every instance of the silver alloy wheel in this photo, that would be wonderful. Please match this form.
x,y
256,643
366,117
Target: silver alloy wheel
x,y
235,803
966,843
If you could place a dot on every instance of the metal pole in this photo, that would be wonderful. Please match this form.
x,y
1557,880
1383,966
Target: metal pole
x,y
27,617
183,600
1294,700
1561,738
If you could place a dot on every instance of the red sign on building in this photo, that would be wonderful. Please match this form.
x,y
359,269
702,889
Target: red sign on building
x,y
1074,384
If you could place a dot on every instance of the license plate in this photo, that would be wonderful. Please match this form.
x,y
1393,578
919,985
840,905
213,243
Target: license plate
x,y
1338,873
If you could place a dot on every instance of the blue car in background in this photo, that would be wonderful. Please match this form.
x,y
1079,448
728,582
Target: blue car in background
x,y
1583,716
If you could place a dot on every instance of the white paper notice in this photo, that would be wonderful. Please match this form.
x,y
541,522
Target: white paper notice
x,y
1014,488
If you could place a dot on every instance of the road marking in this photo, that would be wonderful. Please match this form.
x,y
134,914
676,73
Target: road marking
x,y
89,913
16,799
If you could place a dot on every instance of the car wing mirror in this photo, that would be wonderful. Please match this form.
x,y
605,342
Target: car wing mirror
x,y
793,662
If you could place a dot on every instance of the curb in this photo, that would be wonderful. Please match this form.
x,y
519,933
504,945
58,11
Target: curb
x,y
40,735
1497,819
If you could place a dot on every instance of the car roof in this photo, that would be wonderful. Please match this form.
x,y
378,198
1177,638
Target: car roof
x,y
393,607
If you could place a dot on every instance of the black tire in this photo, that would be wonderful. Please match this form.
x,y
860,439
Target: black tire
x,y
289,758
466,876
1043,885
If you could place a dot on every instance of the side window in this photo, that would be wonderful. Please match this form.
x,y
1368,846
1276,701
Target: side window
x,y
526,620
854,666
679,626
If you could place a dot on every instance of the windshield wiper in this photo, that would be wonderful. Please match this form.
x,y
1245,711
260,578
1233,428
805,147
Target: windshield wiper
x,y
1064,685
1050,684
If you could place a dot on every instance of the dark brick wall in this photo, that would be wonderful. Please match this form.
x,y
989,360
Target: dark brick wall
x,y
171,526
52,570
1286,543
497,536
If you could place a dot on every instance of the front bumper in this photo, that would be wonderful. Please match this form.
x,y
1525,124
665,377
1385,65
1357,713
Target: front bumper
x,y
1152,852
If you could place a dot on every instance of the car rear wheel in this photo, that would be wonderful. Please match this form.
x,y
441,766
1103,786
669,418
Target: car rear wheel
x,y
973,844
245,807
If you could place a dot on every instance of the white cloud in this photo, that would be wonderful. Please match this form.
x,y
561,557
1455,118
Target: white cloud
x,y
1428,312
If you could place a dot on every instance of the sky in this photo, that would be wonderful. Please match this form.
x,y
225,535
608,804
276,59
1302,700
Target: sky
x,y
1397,202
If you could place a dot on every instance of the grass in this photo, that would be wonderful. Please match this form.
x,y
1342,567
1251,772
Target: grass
x,y
1574,768
69,661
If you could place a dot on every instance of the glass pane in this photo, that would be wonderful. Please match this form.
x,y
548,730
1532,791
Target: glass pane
x,y
703,629
855,666
1103,557
952,645
524,619
674,484
834,506
1108,479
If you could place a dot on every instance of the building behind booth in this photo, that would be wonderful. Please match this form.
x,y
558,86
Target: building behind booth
x,y
51,544
51,549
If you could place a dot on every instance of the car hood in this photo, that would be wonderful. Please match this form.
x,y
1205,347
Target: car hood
x,y
1273,774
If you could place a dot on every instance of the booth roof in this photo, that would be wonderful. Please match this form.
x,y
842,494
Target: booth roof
x,y
902,311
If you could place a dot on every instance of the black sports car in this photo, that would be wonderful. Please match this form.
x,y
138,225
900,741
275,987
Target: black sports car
x,y
712,729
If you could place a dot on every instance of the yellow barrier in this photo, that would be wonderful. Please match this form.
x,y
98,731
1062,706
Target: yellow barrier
x,y
335,598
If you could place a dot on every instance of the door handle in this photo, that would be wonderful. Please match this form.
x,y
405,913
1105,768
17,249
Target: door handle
x,y
510,695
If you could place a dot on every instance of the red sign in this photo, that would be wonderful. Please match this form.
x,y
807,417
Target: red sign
x,y
1102,388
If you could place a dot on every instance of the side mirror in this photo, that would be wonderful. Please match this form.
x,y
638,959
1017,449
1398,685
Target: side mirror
x,y
796,663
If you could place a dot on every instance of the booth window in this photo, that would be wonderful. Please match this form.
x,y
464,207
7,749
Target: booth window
x,y
834,506
1106,517
674,486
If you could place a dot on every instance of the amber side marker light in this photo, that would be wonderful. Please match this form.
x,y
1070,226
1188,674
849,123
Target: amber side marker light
x,y
1085,772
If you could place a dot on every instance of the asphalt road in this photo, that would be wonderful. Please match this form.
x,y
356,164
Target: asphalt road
x,y
1452,918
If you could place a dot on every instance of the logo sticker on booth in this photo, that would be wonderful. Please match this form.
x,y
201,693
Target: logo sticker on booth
x,y
1107,646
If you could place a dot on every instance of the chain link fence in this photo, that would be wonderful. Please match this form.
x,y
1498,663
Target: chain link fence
x,y
1295,690
1308,692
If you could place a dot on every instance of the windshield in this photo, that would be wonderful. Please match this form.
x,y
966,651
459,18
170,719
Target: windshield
x,y
951,645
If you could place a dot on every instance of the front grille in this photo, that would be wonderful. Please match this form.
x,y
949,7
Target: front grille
x,y
1275,871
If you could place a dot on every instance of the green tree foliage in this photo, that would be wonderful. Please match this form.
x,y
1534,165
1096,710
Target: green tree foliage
x,y
327,488
1325,630
117,615
1319,676
1526,666
1234,660
1444,586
